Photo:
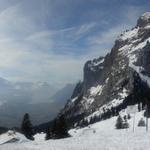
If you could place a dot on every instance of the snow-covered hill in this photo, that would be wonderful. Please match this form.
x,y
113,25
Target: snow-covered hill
x,y
99,136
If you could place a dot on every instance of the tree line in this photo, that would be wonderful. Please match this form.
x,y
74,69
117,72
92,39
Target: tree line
x,y
58,130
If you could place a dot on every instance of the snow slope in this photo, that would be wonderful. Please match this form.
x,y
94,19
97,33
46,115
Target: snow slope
x,y
99,136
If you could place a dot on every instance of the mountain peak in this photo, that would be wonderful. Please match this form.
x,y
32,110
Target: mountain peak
x,y
144,20
146,16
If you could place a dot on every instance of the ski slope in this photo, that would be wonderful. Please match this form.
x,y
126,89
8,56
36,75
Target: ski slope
x,y
99,136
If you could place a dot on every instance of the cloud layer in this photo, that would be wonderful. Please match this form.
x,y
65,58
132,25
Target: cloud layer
x,y
46,40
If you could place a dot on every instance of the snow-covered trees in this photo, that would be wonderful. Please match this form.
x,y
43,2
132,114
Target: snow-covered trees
x,y
125,123
119,122
129,116
122,123
141,123
26,127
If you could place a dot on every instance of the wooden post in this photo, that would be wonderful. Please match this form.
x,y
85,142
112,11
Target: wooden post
x,y
133,122
147,113
147,117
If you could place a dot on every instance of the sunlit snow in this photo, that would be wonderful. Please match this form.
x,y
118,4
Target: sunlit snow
x,y
99,136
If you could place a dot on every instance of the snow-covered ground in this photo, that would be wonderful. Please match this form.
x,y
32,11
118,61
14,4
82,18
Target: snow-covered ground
x,y
99,136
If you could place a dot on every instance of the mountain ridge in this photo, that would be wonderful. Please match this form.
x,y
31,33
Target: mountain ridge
x,y
111,80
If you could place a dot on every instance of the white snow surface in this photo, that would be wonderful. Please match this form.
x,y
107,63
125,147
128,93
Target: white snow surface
x,y
146,16
131,50
129,34
139,69
74,99
96,90
99,136
9,136
115,102
98,62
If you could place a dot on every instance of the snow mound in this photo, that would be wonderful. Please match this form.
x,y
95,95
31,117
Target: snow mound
x,y
12,137
39,137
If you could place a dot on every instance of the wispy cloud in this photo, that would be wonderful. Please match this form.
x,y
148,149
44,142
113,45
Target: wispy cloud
x,y
51,40
66,35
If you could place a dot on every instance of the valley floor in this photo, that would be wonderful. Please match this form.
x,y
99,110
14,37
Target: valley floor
x,y
99,136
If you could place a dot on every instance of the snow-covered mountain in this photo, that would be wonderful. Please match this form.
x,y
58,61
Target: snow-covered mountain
x,y
112,81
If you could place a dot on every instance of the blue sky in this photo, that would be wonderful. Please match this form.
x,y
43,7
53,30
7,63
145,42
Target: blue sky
x,y
50,40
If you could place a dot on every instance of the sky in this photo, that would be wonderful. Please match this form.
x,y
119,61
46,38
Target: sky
x,y
50,40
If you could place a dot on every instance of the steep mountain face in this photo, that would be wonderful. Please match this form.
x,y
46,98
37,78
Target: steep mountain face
x,y
109,81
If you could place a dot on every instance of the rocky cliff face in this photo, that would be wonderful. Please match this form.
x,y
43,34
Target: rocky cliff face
x,y
109,81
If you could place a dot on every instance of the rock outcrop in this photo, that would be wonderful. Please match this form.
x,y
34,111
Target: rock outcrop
x,y
109,80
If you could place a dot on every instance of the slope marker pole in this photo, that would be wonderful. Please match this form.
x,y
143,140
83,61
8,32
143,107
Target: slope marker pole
x,y
133,122
147,118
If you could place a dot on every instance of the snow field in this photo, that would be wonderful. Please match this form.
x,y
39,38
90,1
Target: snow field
x,y
99,136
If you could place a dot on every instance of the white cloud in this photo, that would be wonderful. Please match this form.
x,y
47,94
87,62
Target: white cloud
x,y
35,66
39,53
85,28
25,56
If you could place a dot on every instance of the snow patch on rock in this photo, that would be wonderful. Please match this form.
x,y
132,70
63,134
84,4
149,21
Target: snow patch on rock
x,y
96,90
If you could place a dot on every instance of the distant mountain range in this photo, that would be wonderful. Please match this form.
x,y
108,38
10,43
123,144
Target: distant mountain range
x,y
40,100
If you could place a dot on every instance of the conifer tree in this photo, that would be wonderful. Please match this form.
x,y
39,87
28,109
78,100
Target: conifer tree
x,y
48,134
26,127
139,107
141,123
125,123
55,129
119,123
129,116
60,129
